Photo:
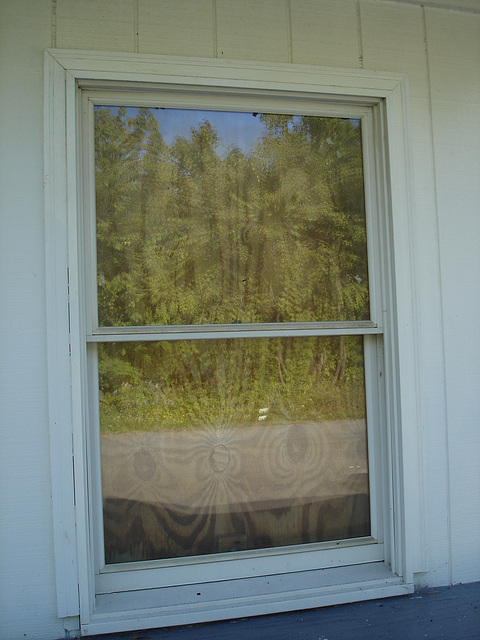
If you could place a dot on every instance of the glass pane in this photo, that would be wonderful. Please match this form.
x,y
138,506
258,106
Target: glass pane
x,y
215,217
229,445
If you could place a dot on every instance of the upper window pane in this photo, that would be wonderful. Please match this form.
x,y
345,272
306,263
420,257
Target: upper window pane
x,y
208,217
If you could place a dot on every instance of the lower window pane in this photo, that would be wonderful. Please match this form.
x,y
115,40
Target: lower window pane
x,y
228,445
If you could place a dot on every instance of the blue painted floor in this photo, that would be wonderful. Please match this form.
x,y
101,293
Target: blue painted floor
x,y
444,612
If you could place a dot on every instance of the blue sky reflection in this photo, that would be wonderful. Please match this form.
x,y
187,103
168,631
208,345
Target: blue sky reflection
x,y
235,129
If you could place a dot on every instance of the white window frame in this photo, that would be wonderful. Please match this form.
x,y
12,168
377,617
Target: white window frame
x,y
70,77
123,577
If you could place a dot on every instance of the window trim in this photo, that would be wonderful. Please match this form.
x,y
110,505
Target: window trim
x,y
64,72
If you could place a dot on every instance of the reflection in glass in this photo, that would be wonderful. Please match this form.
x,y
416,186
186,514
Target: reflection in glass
x,y
215,217
229,445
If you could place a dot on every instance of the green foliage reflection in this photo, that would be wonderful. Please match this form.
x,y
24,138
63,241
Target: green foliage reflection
x,y
186,235
184,384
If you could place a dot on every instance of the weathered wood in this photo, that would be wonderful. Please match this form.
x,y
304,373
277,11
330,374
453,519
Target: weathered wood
x,y
180,493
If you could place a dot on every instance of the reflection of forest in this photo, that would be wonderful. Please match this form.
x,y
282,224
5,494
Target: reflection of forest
x,y
185,384
188,236
177,493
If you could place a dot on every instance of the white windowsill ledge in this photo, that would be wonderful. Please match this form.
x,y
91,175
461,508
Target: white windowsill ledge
x,y
244,598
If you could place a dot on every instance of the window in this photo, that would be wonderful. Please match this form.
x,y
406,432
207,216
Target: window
x,y
233,340
233,444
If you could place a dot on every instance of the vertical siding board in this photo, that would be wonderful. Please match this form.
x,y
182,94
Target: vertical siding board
x,y
176,27
325,33
454,60
393,40
252,30
27,572
101,25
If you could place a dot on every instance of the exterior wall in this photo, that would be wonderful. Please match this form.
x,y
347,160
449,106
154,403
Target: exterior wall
x,y
439,49
455,108
27,577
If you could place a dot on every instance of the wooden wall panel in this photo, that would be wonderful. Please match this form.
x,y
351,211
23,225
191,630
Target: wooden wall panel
x,y
325,33
252,30
454,59
393,40
101,25
27,574
176,27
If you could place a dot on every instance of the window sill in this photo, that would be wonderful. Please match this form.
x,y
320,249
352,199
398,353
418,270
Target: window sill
x,y
189,604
